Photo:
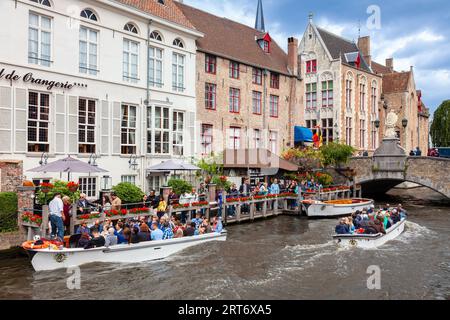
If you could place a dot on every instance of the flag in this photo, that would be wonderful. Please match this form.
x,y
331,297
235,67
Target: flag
x,y
358,60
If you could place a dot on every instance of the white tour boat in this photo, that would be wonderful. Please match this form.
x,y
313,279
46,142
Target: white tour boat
x,y
335,208
51,259
370,241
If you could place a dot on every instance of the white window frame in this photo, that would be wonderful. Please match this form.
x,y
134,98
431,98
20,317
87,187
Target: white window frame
x,y
86,125
88,69
38,121
178,133
207,140
327,94
128,179
86,185
160,128
128,54
153,72
362,133
257,141
39,59
273,141
128,128
178,72
234,138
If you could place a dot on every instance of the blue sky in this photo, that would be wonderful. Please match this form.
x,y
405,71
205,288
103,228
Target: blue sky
x,y
416,33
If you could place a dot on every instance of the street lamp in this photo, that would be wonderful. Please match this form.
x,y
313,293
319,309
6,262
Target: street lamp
x,y
404,123
133,162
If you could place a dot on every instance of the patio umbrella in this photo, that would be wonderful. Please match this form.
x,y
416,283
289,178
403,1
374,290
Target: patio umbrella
x,y
172,165
68,165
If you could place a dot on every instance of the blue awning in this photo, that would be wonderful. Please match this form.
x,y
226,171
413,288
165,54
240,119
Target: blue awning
x,y
302,134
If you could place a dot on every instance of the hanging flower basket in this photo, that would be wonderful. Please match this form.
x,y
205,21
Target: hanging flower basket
x,y
46,187
73,186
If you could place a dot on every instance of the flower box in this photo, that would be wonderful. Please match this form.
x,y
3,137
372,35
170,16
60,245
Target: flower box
x,y
32,219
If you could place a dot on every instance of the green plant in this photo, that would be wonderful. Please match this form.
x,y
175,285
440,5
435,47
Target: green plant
x,y
222,183
128,192
180,186
336,154
8,211
58,187
440,128
308,159
324,179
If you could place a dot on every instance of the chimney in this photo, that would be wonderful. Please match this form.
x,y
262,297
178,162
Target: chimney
x,y
293,55
364,47
390,64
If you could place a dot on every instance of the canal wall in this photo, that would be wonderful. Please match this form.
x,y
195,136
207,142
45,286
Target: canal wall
x,y
10,240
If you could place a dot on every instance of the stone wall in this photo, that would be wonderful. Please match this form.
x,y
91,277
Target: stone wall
x,y
11,175
11,239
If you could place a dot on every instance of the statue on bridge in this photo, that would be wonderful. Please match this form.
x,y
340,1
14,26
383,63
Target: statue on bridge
x,y
391,122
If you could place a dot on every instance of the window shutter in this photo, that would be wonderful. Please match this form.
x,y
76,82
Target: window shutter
x,y
191,128
73,124
116,128
20,132
105,128
5,119
60,124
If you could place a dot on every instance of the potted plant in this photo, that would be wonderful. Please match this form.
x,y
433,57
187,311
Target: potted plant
x,y
46,187
73,186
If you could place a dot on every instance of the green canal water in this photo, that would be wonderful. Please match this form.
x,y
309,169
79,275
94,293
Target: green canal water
x,y
280,258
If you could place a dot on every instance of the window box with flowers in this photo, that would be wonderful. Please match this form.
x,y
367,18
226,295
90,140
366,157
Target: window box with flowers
x,y
31,219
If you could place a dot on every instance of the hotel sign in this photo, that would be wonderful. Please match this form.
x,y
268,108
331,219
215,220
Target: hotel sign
x,y
29,77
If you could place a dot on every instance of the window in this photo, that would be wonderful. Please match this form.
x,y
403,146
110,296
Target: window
x,y
43,2
311,66
155,35
362,134
374,100
86,125
128,179
257,102
210,64
178,72
154,183
162,130
39,40
265,45
38,121
178,43
311,96
234,138
128,139
274,81
155,67
88,14
327,130
130,61
374,136
327,94
274,100
130,28
257,139
273,141
210,96
178,133
348,131
88,51
235,100
348,94
257,76
88,186
207,139
311,124
362,97
234,70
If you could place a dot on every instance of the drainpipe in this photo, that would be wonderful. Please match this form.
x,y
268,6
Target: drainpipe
x,y
265,120
147,102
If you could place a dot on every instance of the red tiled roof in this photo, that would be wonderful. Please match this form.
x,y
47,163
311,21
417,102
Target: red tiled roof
x,y
234,41
396,82
168,10
379,68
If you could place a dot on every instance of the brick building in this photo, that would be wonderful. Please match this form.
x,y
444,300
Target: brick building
x,y
248,89
342,93
401,96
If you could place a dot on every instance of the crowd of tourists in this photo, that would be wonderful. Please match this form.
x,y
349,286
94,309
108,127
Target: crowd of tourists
x,y
369,221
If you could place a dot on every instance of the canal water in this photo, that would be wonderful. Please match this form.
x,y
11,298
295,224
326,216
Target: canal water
x,y
280,258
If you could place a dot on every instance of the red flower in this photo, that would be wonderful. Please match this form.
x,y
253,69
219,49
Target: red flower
x,y
47,185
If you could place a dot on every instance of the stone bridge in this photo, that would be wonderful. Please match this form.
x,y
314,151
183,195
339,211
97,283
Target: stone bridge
x,y
390,167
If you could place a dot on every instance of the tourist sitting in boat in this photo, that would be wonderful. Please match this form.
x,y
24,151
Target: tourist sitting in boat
x,y
351,226
190,229
197,220
217,225
111,239
134,235
127,234
119,233
156,233
84,240
206,226
97,240
144,233
167,231
342,227
179,229
83,228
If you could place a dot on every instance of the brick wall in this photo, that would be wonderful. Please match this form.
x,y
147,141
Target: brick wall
x,y
11,175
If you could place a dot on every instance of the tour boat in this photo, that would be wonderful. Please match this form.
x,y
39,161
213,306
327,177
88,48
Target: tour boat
x,y
370,241
52,258
335,208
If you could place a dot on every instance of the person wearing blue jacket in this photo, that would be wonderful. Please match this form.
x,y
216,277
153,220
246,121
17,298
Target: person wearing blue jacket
x,y
342,227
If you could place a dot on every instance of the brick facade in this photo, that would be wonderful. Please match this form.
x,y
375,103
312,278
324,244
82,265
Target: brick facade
x,y
11,175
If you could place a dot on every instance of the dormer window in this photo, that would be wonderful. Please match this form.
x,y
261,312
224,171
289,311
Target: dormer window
x,y
43,2
264,43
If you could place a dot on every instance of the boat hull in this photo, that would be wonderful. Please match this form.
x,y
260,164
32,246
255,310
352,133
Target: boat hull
x,y
43,260
370,241
328,210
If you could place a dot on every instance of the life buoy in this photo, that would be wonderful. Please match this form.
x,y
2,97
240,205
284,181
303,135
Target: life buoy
x,y
52,244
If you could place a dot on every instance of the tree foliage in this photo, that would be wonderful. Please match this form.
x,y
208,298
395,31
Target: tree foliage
x,y
128,192
336,154
308,159
58,187
440,129
8,211
180,186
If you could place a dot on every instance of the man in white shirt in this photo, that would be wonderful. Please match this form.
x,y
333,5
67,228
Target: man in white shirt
x,y
56,216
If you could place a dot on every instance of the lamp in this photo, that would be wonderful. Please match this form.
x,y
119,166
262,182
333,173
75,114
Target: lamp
x,y
404,123
106,183
385,105
133,162
44,159
93,160
377,123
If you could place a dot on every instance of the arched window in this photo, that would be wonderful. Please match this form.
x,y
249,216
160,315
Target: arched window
x,y
43,2
130,28
88,14
178,43
155,35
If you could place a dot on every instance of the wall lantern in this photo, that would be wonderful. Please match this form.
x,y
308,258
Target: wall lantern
x,y
405,123
377,123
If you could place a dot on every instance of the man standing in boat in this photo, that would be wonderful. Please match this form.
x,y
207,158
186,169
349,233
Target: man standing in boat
x,y
56,211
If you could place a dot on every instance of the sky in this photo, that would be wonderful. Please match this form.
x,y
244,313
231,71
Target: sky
x,y
414,32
